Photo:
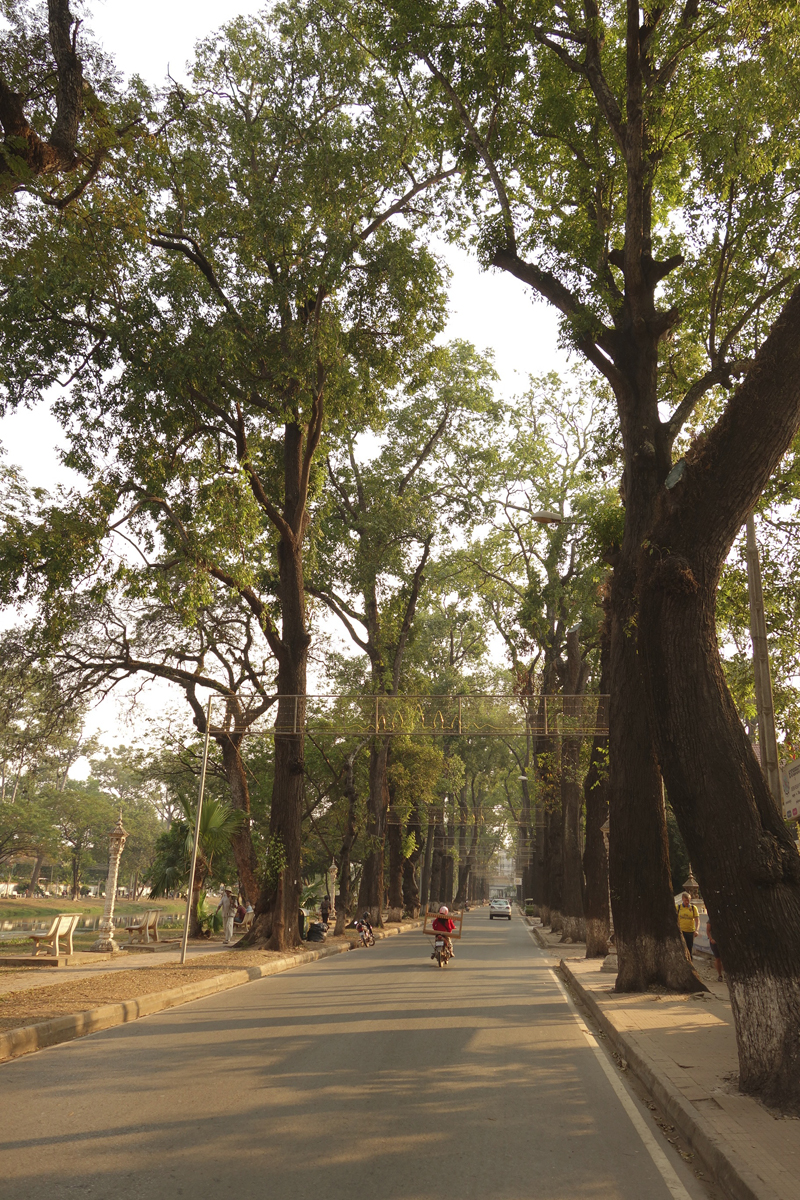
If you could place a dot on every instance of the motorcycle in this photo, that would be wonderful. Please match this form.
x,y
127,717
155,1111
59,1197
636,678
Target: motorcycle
x,y
442,951
365,932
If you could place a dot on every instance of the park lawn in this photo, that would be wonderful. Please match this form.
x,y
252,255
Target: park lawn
x,y
87,906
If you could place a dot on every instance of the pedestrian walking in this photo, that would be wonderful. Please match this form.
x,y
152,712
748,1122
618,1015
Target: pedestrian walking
x,y
688,920
228,906
325,909
714,951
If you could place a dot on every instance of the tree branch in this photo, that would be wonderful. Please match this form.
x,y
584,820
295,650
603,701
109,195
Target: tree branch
x,y
481,147
341,610
58,154
408,617
401,204
605,98
731,467
717,375
424,453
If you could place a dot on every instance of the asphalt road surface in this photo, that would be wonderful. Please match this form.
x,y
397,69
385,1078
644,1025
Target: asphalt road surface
x,y
373,1075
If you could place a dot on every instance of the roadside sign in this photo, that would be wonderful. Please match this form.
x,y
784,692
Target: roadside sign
x,y
518,881
790,781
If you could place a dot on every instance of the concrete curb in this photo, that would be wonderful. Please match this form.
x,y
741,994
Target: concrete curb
x,y
725,1166
63,960
538,936
383,933
29,1038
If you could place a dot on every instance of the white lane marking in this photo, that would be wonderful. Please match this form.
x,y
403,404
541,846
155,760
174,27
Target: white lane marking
x,y
662,1163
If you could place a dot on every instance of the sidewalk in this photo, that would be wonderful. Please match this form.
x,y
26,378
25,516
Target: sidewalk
x,y
683,1050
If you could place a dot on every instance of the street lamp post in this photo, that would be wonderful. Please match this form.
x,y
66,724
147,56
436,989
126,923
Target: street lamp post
x,y
116,842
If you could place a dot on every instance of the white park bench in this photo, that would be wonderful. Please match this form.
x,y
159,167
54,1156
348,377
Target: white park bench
x,y
246,922
63,926
142,929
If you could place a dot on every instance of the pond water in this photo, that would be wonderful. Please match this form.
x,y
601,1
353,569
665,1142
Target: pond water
x,y
11,929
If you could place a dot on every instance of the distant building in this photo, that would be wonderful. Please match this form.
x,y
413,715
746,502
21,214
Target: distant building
x,y
500,875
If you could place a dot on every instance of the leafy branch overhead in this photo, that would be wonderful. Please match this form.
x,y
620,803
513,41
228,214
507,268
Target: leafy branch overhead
x,y
62,114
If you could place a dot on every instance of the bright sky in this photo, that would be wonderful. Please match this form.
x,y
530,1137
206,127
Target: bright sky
x,y
491,310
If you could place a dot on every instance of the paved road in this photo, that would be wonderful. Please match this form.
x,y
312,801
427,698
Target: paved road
x,y
370,1076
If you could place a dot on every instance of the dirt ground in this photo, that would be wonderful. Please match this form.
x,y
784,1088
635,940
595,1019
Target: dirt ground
x,y
61,999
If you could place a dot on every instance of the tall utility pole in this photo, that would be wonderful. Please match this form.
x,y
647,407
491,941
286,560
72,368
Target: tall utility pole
x,y
767,740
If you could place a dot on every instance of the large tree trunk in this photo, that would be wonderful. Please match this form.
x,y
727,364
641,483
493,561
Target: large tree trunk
x,y
370,893
573,928
427,863
595,859
540,886
394,836
465,872
197,886
526,839
279,902
241,842
555,876
37,866
736,837
411,898
437,859
448,862
548,868
650,948
394,832
278,908
343,904
744,858
462,811
649,945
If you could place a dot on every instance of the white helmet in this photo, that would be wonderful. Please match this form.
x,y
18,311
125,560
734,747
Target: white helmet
x,y
444,911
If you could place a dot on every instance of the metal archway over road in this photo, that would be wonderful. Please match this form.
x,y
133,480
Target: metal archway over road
x,y
475,715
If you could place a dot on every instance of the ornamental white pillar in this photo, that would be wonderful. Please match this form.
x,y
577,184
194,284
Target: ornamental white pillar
x,y
116,842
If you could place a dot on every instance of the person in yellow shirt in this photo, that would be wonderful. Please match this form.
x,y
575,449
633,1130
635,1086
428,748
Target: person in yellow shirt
x,y
688,920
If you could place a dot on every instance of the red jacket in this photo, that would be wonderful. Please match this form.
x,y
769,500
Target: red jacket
x,y
443,924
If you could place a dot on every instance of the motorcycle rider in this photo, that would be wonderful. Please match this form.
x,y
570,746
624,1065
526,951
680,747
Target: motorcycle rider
x,y
443,923
364,927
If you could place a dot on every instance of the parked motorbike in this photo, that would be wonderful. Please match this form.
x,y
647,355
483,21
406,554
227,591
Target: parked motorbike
x,y
365,932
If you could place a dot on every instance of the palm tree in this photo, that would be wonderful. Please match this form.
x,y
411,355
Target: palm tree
x,y
173,862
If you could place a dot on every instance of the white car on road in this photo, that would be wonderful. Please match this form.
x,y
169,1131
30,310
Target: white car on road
x,y
499,908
